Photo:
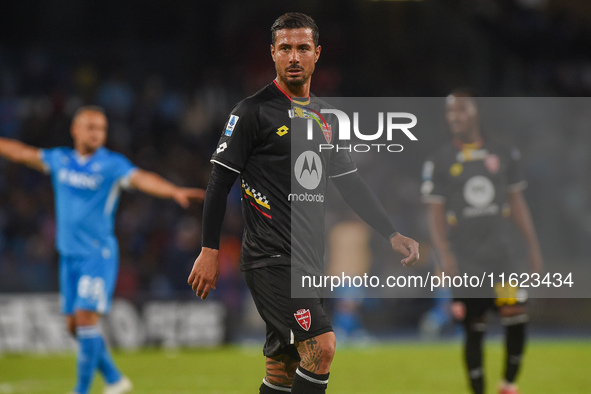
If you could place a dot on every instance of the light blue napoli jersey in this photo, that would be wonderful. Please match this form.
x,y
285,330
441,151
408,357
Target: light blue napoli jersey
x,y
87,191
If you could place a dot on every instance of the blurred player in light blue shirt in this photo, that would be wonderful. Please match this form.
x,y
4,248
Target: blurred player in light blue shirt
x,y
87,183
87,191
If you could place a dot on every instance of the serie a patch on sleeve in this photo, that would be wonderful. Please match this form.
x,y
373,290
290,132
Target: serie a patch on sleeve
x,y
231,124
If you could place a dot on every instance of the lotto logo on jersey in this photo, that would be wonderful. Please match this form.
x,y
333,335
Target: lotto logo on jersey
x,y
303,318
221,148
231,124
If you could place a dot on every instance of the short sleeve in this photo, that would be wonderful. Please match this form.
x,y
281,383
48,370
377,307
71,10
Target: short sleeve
x,y
515,176
341,164
123,170
433,186
237,139
49,158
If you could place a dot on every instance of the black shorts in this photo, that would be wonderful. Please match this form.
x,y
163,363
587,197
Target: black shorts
x,y
289,320
477,307
505,296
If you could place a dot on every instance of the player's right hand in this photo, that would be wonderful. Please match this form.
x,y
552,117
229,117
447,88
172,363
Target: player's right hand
x,y
184,195
204,274
408,247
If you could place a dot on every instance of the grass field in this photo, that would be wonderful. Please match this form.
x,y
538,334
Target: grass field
x,y
412,367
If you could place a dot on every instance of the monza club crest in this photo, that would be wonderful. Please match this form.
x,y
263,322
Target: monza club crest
x,y
303,318
327,130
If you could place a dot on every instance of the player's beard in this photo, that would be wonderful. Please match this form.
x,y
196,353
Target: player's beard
x,y
298,81
466,133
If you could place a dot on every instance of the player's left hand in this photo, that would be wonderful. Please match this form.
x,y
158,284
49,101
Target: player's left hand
x,y
184,195
408,247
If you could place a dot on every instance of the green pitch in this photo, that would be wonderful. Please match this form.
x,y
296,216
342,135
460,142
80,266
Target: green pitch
x,y
550,367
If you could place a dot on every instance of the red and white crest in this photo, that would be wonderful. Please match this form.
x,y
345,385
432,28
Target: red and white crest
x,y
327,130
303,318
492,163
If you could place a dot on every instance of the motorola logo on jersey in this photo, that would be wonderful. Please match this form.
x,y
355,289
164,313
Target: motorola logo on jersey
x,y
308,170
479,192
308,173
80,180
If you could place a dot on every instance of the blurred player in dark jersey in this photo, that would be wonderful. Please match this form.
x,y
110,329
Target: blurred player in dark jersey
x,y
473,186
283,179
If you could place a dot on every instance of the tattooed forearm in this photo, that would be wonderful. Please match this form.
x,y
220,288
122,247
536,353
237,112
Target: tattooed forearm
x,y
280,370
311,354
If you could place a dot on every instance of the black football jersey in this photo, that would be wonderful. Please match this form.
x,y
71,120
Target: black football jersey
x,y
474,181
284,177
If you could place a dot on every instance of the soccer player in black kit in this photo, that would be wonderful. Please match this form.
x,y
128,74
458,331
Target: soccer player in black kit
x,y
472,186
258,145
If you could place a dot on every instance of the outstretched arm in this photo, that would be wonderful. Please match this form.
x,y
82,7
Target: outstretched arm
x,y
20,153
153,184
204,274
522,217
358,196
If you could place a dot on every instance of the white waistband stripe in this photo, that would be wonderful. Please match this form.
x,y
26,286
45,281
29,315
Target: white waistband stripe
x,y
277,388
310,379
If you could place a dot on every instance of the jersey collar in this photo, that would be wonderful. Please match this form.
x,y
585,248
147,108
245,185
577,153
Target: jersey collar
x,y
471,146
298,100
84,159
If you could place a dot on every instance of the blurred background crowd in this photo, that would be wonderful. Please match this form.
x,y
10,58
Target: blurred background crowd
x,y
168,73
